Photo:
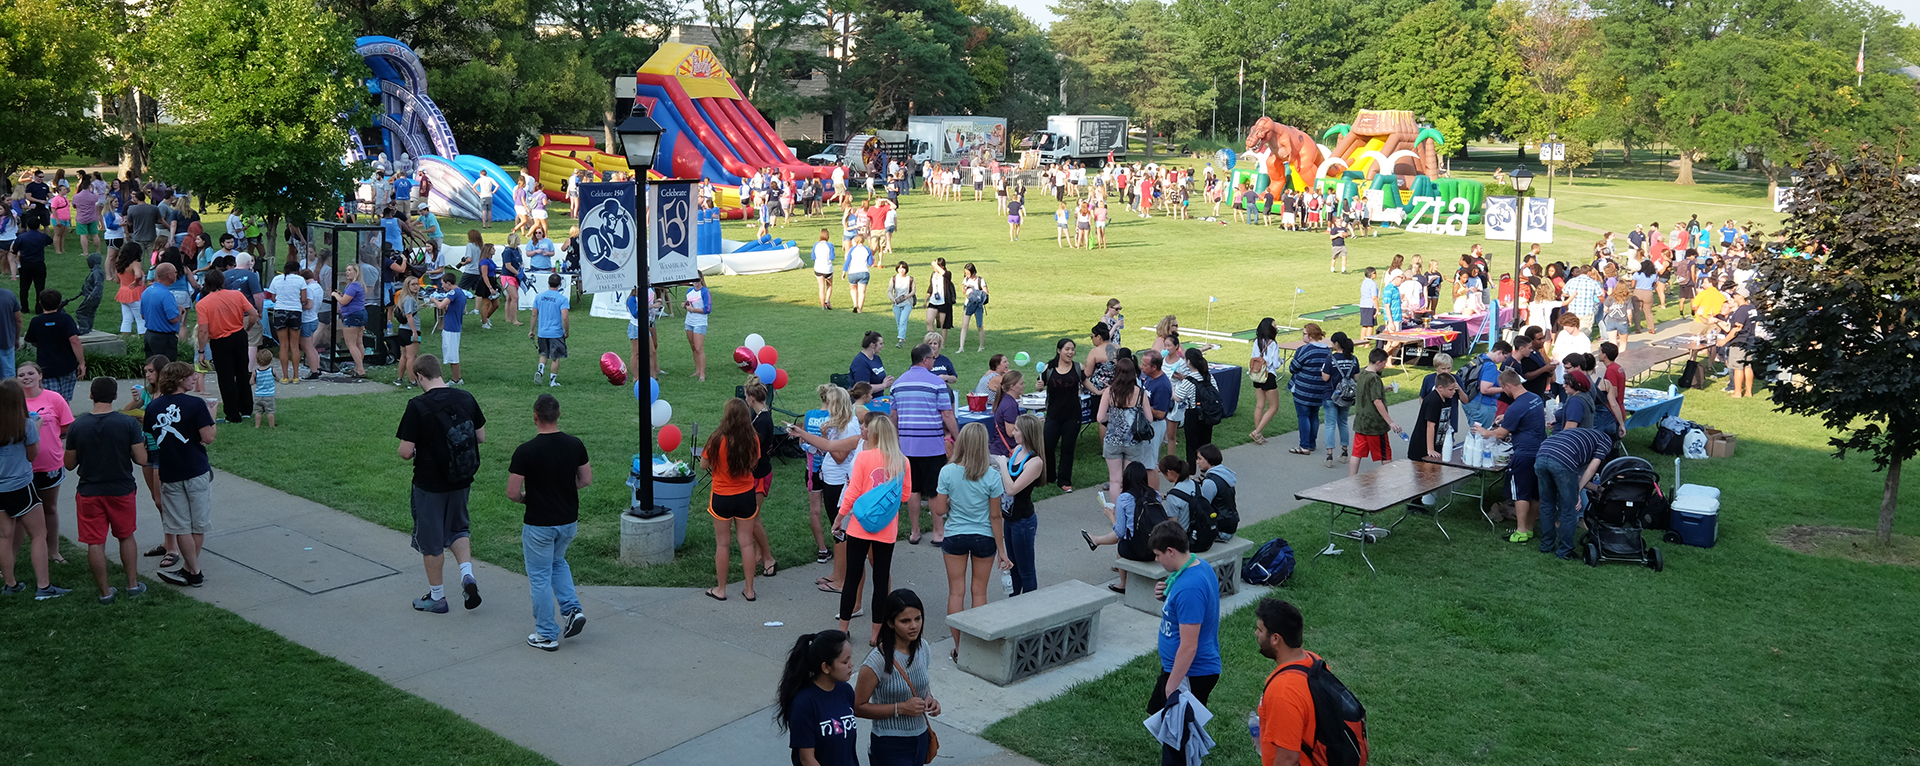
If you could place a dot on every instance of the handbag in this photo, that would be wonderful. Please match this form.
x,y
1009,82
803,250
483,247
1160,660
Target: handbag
x,y
933,738
1142,430
877,508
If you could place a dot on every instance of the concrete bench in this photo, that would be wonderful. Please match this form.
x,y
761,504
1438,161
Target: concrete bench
x,y
1005,641
1224,556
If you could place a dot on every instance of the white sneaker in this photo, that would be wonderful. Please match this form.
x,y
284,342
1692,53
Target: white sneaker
x,y
553,382
538,371
486,325
542,643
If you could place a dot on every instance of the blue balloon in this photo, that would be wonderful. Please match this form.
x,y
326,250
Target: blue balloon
x,y
766,373
636,390
654,387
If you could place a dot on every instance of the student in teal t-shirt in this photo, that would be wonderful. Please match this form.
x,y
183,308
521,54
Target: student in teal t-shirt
x,y
970,497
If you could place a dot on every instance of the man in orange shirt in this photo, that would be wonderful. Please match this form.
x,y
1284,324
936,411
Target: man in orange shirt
x,y
1286,707
225,316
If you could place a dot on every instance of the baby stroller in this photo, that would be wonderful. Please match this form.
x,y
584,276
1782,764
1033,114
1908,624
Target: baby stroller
x,y
1628,501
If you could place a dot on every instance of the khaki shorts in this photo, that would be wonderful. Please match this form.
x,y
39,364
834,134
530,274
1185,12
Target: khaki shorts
x,y
263,406
186,507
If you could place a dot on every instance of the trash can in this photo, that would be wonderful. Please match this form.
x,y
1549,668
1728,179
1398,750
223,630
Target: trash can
x,y
675,493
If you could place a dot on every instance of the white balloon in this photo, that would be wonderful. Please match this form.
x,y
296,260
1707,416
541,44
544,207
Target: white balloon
x,y
754,342
662,413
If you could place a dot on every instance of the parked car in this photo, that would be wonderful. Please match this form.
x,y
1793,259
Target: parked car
x,y
832,155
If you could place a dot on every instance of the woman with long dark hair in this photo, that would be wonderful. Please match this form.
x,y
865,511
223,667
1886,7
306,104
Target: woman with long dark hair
x,y
1134,492
1198,431
1063,380
730,454
1122,403
1020,472
1264,370
894,689
814,704
19,503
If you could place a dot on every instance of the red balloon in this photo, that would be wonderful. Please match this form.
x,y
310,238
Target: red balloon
x,y
669,438
779,379
615,368
768,355
743,359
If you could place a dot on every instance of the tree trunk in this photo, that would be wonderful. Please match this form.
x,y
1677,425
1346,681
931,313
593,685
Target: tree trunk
x,y
1686,169
133,139
1149,139
1888,500
270,246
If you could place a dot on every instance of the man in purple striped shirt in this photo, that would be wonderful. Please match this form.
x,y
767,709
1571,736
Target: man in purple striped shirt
x,y
923,413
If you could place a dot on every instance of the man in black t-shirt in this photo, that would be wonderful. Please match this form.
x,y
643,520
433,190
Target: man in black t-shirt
x,y
56,344
546,475
441,433
1738,344
1426,441
103,446
31,250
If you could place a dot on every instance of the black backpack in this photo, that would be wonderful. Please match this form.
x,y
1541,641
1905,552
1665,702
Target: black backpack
x,y
1201,520
1271,565
1147,514
1471,381
1225,510
1340,721
1206,399
462,445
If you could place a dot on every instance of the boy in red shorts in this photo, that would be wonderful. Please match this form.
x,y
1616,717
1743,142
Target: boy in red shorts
x,y
1370,419
103,446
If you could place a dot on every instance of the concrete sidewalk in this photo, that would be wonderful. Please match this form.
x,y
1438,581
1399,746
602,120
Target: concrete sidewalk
x,y
662,675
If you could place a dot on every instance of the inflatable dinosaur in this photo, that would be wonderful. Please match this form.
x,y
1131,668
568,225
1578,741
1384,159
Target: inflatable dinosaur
x,y
1285,152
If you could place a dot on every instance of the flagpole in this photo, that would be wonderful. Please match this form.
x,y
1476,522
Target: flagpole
x,y
1860,62
1240,104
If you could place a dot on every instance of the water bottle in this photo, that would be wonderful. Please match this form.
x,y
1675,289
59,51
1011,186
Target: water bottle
x,y
1486,452
1006,581
1253,727
1672,390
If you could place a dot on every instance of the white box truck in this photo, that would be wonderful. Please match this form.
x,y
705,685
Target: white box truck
x,y
954,140
1082,138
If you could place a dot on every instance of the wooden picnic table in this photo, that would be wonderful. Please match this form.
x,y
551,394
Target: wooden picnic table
x,y
1362,495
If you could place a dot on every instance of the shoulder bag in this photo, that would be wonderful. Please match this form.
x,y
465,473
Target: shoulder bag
x,y
1142,430
933,738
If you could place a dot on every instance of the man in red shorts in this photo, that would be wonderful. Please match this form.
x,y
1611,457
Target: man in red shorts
x,y
1370,419
103,446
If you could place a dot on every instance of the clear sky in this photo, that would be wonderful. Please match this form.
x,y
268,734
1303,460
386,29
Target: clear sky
x,y
1908,8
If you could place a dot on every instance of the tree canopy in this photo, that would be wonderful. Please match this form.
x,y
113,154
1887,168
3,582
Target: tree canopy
x,y
54,59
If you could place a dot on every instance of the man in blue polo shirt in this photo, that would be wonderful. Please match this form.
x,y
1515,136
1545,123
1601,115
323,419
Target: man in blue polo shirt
x,y
1189,637
1159,390
162,313
923,413
1526,421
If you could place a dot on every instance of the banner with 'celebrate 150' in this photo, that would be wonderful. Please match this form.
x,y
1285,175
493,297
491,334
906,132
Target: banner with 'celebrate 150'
x,y
610,235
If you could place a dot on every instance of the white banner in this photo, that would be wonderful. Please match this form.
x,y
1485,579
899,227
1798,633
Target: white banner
x,y
671,246
1503,220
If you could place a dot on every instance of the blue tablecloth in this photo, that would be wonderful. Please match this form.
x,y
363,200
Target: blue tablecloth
x,y
1226,377
1461,342
1646,407
964,416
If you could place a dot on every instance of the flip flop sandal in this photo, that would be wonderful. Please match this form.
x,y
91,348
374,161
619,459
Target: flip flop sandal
x,y
1089,538
749,598
710,595
913,539
158,550
1117,589
1299,451
825,588
769,571
169,561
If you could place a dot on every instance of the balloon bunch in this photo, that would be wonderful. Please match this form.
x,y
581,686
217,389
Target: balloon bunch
x,y
756,358
661,413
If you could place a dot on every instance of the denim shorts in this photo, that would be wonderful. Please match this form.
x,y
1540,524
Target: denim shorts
x,y
633,331
977,546
307,329
858,278
355,319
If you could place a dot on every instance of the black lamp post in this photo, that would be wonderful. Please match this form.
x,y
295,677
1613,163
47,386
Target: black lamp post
x,y
1522,179
639,139
1554,153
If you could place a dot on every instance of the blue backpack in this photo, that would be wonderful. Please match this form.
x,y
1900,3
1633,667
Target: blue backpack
x,y
1272,564
879,506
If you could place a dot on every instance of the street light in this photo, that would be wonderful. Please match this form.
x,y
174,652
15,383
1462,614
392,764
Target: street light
x,y
1522,180
639,140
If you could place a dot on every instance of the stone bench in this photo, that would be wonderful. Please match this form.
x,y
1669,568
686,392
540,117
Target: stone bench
x,y
1224,556
1007,640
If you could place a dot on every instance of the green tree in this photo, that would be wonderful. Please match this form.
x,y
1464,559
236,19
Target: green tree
x,y
1014,70
259,87
1132,59
908,60
617,36
765,44
1846,325
53,57
515,88
1439,62
1551,83
1767,99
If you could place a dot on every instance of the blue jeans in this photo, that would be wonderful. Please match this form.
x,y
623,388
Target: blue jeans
x,y
6,363
901,311
1335,416
897,751
1309,417
1020,535
1481,414
1559,499
549,578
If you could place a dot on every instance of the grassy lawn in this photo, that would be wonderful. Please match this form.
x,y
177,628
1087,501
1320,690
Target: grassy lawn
x,y
340,450
166,679
1481,651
